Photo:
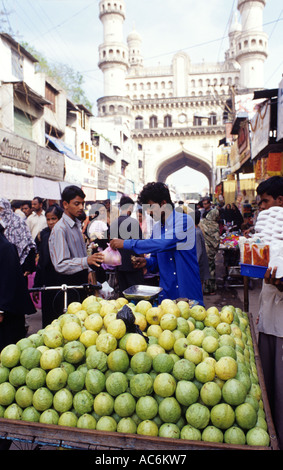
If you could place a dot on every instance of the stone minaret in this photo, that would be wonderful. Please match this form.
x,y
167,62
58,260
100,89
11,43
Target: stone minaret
x,y
134,41
113,59
252,44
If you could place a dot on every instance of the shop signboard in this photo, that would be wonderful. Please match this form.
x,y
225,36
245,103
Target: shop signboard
x,y
244,142
73,171
112,183
49,164
129,187
260,127
234,157
102,182
90,174
246,105
221,160
17,155
121,184
280,112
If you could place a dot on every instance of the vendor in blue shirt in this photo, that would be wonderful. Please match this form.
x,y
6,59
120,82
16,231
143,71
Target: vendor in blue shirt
x,y
172,246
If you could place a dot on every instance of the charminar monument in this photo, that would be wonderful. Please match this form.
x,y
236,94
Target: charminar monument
x,y
175,112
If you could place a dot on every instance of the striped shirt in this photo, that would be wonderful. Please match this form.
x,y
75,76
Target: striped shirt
x,y
67,248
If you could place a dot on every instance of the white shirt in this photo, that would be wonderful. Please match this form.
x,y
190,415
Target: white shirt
x,y
36,223
271,311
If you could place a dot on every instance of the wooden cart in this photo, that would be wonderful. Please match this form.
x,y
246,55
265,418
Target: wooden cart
x,y
45,436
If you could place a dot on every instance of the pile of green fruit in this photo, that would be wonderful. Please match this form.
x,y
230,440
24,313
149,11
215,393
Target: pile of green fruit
x,y
187,373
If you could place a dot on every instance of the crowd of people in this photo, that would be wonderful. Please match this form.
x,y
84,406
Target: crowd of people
x,y
64,244
167,245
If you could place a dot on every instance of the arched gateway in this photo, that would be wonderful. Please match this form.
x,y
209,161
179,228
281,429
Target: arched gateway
x,y
180,160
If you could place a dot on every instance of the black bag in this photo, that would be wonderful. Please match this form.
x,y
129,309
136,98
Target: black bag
x,y
128,318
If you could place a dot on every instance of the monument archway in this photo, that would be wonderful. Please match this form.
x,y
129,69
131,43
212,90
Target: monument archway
x,y
181,160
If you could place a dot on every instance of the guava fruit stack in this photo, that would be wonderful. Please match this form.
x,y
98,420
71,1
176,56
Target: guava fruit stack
x,y
185,373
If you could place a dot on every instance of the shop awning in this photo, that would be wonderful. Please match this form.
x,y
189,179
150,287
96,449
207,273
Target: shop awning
x,y
26,92
237,123
62,147
46,189
266,93
16,186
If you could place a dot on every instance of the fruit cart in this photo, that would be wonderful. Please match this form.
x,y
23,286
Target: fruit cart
x,y
230,251
89,288
45,436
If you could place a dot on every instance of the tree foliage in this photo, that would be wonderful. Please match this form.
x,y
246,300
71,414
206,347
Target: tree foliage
x,y
69,79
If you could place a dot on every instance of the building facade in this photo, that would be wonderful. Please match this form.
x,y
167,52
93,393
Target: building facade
x,y
175,112
48,142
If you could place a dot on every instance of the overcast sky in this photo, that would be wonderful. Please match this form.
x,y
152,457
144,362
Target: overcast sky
x,y
69,31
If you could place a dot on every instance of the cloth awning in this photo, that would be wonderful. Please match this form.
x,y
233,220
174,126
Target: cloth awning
x,y
46,189
16,186
62,147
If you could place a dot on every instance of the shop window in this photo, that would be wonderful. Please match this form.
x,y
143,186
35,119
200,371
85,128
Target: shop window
x,y
82,119
22,124
123,167
88,152
50,95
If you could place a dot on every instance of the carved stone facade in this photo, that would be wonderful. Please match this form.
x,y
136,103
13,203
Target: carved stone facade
x,y
176,111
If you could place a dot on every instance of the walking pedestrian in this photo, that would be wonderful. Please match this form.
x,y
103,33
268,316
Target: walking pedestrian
x,y
98,232
36,221
228,214
127,227
16,208
206,203
201,251
145,222
210,229
15,301
45,274
26,209
238,219
17,232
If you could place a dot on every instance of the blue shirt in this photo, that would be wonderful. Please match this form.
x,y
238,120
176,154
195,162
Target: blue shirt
x,y
173,254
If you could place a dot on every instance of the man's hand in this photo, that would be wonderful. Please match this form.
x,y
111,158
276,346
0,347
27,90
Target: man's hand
x,y
138,262
35,297
116,244
96,259
270,278
1,317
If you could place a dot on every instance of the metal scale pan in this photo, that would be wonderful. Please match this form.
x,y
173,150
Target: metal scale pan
x,y
140,292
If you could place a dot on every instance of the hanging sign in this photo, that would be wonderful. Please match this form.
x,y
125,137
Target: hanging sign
x,y
280,112
260,127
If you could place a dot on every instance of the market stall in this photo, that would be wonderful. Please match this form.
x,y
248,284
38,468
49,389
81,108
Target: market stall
x,y
174,376
229,247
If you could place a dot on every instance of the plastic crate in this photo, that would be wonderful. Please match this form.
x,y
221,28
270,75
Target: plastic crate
x,y
251,270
